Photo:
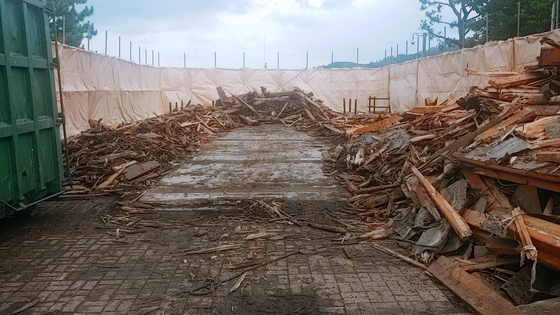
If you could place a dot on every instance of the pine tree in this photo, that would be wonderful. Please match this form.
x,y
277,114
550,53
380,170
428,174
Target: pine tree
x,y
73,21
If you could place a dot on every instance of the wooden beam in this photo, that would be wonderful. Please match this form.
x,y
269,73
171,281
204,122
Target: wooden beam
x,y
525,239
457,222
477,295
514,175
544,235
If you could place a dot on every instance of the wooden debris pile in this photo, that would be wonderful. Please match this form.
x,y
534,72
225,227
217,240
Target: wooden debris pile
x,y
130,155
476,179
291,108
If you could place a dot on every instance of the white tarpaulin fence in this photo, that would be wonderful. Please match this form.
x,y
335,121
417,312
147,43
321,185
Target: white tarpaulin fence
x,y
100,86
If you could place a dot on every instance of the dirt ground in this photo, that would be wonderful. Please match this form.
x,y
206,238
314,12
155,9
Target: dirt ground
x,y
66,260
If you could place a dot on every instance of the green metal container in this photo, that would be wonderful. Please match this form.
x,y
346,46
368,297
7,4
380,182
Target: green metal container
x,y
30,145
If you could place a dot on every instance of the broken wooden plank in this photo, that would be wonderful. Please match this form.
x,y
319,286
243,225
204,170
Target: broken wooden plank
x,y
549,156
488,188
222,95
249,121
457,222
375,126
526,114
513,80
485,262
423,138
108,181
513,175
245,103
529,249
208,250
328,228
427,109
466,139
544,235
309,114
333,129
478,296
137,170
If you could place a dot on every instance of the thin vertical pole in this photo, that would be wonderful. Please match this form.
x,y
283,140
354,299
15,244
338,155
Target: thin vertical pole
x,y
215,59
332,61
130,50
185,60
64,30
119,46
158,60
152,57
557,4
424,45
444,38
357,55
344,104
383,59
243,60
518,16
397,50
552,16
355,106
487,23
391,52
139,54
105,42
146,56
429,44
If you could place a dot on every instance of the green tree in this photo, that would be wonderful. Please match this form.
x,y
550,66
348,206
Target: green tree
x,y
463,11
74,21
502,18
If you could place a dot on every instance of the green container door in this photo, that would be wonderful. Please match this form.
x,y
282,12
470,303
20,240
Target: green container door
x,y
30,146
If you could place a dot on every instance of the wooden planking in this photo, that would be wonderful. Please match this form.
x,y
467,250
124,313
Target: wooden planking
x,y
454,218
478,296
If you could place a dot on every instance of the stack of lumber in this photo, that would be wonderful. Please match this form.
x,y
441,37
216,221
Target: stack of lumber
x,y
476,179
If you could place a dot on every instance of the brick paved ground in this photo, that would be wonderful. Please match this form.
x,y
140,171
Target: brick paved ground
x,y
66,260
61,261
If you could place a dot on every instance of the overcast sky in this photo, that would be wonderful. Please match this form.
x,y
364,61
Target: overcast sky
x,y
260,28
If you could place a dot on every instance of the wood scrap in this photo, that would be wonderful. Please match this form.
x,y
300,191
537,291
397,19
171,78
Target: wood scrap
x,y
457,222
477,295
